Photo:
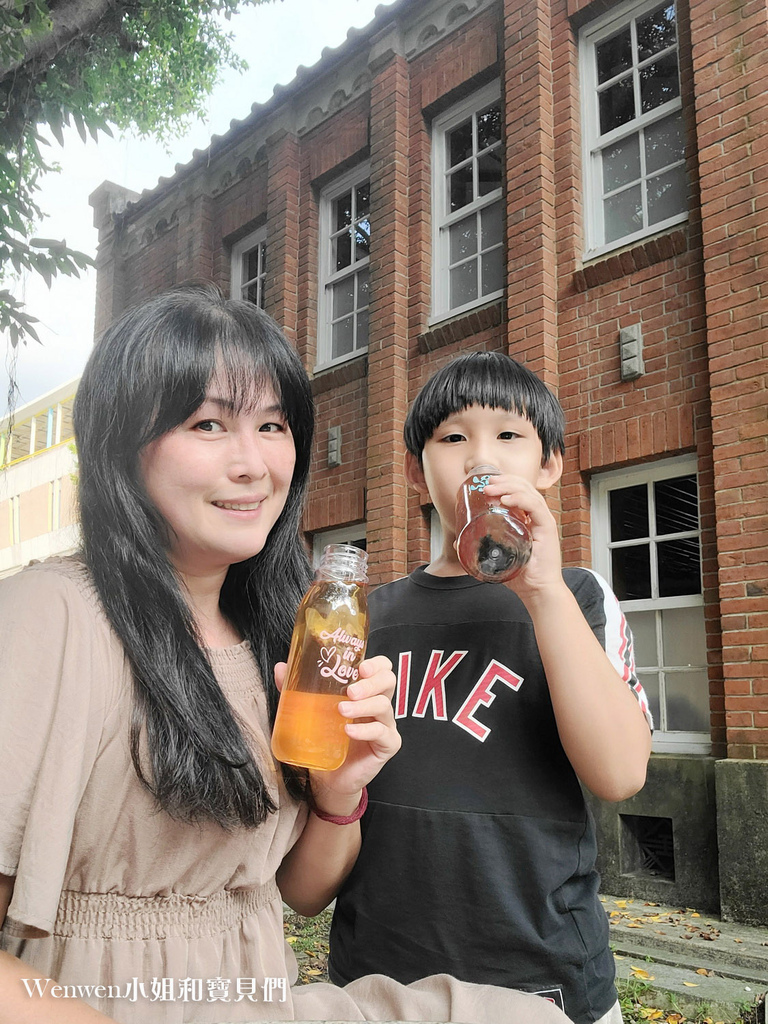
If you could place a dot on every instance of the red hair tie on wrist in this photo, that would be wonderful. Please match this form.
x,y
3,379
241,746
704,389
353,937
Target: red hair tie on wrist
x,y
341,819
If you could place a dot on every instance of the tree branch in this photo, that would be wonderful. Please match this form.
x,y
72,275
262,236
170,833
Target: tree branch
x,y
71,20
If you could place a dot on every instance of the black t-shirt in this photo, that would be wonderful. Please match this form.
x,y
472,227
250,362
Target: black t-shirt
x,y
478,855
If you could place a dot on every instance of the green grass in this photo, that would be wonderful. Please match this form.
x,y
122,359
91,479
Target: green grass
x,y
308,936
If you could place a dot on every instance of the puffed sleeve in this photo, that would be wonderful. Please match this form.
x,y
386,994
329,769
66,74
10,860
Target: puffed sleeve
x,y
54,655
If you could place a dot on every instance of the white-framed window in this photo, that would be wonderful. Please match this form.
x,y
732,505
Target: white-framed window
x,y
635,182
249,267
646,541
467,204
345,243
354,534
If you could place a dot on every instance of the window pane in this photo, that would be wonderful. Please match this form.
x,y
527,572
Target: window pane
x,y
617,105
263,250
667,194
656,31
489,172
343,211
342,337
623,213
687,700
614,56
254,294
631,572
679,567
463,238
342,245
664,143
621,163
493,272
343,297
251,260
650,682
459,143
460,188
463,284
488,127
362,239
659,82
677,505
362,330
685,642
363,296
629,512
491,226
643,626
363,199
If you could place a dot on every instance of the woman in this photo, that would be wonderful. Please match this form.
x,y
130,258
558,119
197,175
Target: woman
x,y
147,837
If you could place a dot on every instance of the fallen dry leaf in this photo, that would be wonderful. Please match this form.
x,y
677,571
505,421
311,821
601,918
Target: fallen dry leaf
x,y
691,984
634,924
738,940
705,972
675,1018
640,972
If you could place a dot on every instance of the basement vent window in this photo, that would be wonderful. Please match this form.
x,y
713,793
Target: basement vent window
x,y
648,847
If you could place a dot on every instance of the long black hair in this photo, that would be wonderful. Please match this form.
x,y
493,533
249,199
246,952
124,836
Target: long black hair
x,y
147,375
492,379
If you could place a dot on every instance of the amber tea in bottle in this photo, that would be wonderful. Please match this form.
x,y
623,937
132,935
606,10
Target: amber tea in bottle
x,y
493,542
327,646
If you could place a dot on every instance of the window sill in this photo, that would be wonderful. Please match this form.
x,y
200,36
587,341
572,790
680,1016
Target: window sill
x,y
354,368
628,261
699,744
465,325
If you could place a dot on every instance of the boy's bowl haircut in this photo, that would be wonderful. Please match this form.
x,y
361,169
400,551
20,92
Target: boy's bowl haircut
x,y
491,379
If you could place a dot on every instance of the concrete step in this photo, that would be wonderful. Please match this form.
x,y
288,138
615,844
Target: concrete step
x,y
673,944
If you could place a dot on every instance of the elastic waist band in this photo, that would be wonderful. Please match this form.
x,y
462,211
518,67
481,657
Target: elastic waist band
x,y
91,915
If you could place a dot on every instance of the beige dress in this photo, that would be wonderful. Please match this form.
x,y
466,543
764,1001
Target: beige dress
x,y
149,920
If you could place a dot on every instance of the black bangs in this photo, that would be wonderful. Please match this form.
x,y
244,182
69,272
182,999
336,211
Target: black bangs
x,y
156,373
490,379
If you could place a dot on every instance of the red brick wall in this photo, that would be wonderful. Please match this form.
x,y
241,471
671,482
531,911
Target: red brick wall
x,y
151,269
731,75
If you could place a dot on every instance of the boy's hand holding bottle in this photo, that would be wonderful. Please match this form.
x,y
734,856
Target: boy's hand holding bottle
x,y
528,530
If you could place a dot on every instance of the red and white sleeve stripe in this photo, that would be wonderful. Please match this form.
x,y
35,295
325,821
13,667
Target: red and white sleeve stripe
x,y
618,645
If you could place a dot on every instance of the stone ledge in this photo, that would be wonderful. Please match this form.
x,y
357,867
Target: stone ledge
x,y
622,264
461,327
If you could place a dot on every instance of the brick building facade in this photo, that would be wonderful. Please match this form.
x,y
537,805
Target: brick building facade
x,y
585,186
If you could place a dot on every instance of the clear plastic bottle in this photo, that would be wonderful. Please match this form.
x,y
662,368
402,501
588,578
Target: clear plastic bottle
x,y
493,542
327,646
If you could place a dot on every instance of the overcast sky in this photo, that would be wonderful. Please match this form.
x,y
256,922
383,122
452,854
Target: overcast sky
x,y
274,39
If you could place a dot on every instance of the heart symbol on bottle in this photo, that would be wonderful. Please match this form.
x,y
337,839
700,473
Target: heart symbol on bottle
x,y
327,653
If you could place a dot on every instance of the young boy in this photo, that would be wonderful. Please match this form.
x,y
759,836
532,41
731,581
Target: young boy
x,y
478,855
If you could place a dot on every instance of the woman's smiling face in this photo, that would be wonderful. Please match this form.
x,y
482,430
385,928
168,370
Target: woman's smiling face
x,y
220,480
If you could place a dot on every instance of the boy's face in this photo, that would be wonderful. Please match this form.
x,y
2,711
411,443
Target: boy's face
x,y
478,435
